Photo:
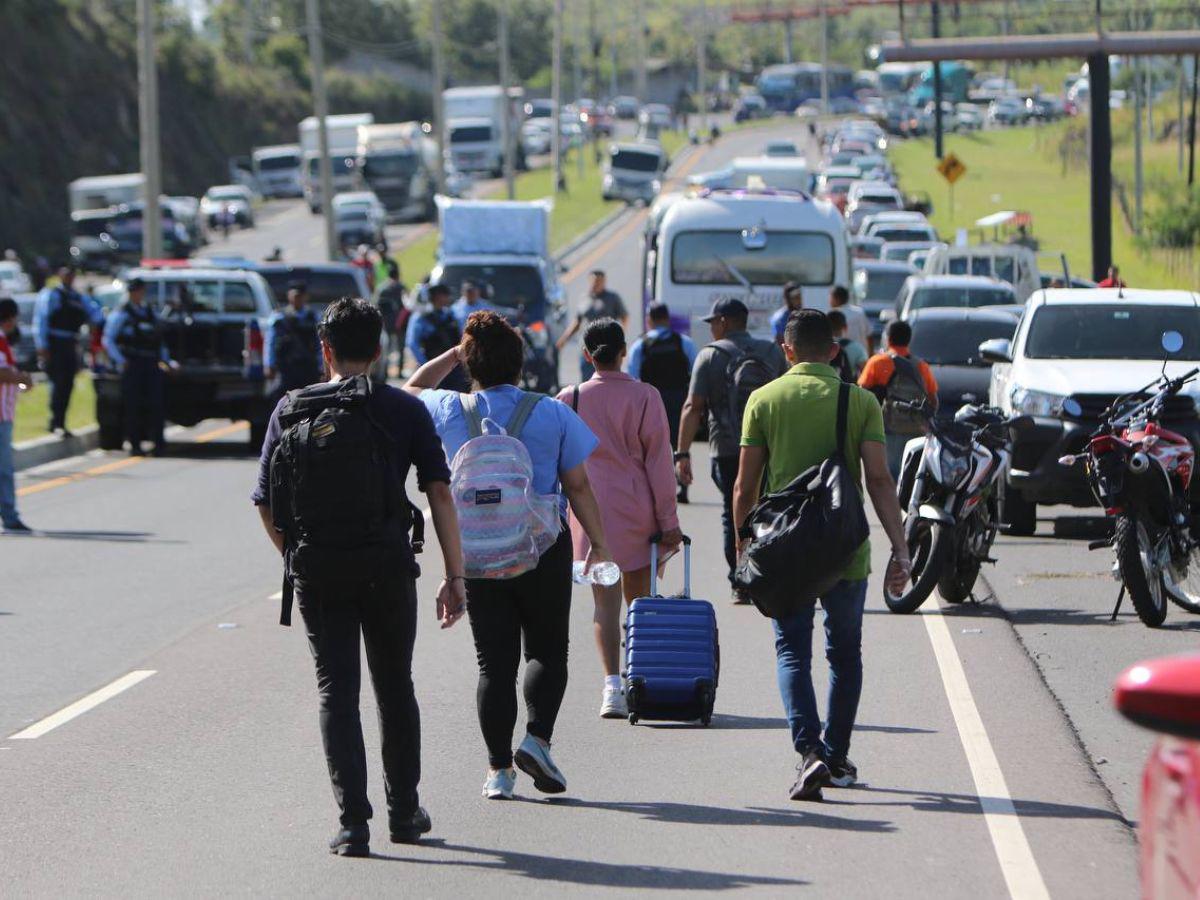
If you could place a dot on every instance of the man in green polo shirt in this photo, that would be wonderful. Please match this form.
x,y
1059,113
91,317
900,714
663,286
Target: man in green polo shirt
x,y
789,427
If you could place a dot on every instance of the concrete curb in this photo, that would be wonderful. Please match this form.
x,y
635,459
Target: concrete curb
x,y
52,448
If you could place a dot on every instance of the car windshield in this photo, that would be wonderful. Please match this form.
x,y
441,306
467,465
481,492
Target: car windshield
x,y
323,287
954,342
1117,331
389,165
900,233
972,297
355,214
229,194
707,257
897,254
90,227
340,165
510,286
274,163
635,161
470,133
879,285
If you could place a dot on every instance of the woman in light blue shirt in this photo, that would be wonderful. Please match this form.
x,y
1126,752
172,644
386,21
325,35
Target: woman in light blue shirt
x,y
537,604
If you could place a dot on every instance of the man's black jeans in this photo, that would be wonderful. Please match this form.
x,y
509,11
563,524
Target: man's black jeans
x,y
61,366
724,476
385,612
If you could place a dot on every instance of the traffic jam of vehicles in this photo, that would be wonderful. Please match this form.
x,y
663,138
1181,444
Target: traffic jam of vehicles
x,y
1055,394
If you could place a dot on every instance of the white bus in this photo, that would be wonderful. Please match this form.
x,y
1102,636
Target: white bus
x,y
744,244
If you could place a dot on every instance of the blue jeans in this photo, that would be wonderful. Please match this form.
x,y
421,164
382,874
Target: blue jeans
x,y
8,486
843,649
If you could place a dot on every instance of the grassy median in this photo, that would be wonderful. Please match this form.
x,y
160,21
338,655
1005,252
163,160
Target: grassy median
x,y
33,408
1026,169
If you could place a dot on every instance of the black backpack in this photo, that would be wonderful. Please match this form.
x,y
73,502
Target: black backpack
x,y
444,335
745,373
841,363
665,363
804,536
335,492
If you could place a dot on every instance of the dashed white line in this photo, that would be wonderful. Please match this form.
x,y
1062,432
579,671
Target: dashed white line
x,y
79,707
1021,872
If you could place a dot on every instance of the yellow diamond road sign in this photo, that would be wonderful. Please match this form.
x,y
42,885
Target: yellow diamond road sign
x,y
952,168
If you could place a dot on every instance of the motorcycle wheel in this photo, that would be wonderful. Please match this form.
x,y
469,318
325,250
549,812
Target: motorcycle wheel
x,y
1181,579
1140,575
956,586
929,547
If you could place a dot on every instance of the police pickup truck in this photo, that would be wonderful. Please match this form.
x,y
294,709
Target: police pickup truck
x,y
213,323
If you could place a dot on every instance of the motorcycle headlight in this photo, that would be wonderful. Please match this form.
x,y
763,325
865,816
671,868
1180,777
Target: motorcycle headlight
x,y
1036,403
951,468
538,336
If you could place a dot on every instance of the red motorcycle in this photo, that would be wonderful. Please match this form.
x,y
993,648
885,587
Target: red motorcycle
x,y
1141,473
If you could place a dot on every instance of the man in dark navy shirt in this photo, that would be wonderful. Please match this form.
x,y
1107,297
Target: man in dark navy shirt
x,y
382,606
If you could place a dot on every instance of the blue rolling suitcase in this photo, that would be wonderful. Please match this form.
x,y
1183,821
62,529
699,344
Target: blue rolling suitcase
x,y
672,653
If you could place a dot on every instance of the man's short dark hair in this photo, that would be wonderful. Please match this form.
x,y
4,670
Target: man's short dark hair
x,y
840,294
439,290
659,312
351,327
790,288
837,319
808,333
898,334
8,309
599,273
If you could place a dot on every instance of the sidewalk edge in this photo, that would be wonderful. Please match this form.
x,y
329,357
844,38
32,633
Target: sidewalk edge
x,y
50,448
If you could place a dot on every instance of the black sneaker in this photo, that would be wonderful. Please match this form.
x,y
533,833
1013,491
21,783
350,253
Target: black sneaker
x,y
351,840
842,772
16,526
408,829
811,775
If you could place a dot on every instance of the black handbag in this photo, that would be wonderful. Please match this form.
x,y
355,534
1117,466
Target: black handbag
x,y
804,536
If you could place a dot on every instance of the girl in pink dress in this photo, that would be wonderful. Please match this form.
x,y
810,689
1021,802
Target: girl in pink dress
x,y
633,477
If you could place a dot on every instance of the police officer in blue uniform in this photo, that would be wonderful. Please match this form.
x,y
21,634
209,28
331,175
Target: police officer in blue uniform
x,y
292,349
433,331
133,340
60,313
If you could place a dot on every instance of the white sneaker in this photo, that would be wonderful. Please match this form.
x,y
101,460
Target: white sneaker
x,y
613,705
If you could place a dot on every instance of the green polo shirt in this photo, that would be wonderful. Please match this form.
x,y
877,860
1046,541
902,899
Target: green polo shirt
x,y
795,419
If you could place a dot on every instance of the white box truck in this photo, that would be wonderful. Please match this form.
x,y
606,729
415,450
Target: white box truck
x,y
103,191
396,160
343,145
475,127
277,170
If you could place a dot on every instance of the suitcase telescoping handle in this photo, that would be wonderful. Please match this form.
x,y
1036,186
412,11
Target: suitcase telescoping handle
x,y
687,565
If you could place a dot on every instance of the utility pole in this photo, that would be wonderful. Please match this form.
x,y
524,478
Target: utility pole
x,y
506,124
789,39
439,85
1192,126
316,51
900,10
152,242
1004,31
1137,146
702,64
824,59
1100,151
938,135
555,97
640,63
1179,119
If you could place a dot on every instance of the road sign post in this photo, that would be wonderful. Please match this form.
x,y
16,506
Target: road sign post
x,y
951,168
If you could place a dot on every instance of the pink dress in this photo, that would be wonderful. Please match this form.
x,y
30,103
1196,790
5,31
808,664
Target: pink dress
x,y
632,472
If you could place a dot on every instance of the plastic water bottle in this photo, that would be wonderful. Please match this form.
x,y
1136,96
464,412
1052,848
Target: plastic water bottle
x,y
605,574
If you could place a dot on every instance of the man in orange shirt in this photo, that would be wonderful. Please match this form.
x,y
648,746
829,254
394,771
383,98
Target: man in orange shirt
x,y
894,375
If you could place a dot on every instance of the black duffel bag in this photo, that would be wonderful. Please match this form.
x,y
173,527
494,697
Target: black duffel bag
x,y
804,536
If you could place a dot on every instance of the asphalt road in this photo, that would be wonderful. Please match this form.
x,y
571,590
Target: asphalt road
x,y
979,742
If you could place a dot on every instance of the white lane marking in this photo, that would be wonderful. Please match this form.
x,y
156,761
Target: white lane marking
x,y
1021,872
79,707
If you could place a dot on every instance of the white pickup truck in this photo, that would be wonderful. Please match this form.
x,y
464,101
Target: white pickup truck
x,y
1092,346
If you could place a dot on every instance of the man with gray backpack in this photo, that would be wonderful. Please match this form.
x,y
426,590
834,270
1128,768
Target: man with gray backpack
x,y
726,373
901,383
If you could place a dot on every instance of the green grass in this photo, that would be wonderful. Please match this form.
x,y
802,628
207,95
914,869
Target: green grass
x,y
1020,168
574,212
33,408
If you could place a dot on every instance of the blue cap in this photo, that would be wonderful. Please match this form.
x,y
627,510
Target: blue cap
x,y
728,307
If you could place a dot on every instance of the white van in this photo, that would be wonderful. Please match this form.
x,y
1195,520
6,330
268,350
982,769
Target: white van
x,y
781,173
746,245
277,170
634,172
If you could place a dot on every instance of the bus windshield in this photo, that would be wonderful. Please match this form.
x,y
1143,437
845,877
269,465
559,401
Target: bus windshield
x,y
712,257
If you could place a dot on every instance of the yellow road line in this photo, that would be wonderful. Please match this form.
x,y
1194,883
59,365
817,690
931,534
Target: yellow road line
x,y
118,464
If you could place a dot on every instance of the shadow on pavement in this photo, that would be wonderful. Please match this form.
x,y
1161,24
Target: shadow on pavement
x,y
588,872
937,801
768,723
115,537
235,449
693,814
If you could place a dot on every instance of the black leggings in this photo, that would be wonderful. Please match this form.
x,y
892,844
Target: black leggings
x,y
538,606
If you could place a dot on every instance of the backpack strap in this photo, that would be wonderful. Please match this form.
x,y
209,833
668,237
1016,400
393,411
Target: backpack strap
x,y
575,399
470,408
516,422
843,416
